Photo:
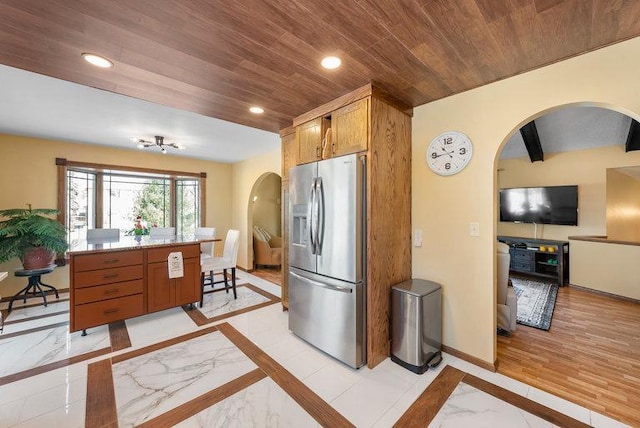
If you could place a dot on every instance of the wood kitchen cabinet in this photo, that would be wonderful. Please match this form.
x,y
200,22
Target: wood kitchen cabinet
x,y
109,284
375,124
165,292
309,137
350,128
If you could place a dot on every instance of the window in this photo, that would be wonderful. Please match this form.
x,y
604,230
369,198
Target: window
x,y
112,197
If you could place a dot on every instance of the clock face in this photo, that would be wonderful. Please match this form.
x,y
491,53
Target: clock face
x,y
449,153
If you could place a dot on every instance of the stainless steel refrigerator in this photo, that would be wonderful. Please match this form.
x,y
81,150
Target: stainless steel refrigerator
x,y
327,267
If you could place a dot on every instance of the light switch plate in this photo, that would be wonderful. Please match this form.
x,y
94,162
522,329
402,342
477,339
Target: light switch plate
x,y
417,238
474,228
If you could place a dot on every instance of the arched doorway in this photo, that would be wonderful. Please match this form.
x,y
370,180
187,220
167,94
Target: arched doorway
x,y
562,359
264,218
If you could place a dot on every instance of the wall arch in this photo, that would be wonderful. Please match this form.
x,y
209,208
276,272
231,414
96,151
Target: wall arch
x,y
443,207
258,191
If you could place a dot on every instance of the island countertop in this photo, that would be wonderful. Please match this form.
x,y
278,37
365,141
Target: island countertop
x,y
133,243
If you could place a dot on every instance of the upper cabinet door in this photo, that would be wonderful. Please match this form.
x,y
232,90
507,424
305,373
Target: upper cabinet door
x,y
309,137
350,128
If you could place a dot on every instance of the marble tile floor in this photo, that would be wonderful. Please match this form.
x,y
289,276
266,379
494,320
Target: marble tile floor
x,y
365,397
220,302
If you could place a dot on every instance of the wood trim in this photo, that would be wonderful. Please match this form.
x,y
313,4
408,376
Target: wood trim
x,y
99,203
325,109
173,207
101,410
287,131
201,319
62,191
33,330
322,412
102,166
493,367
136,353
52,366
203,402
385,96
203,199
603,293
429,403
37,317
119,336
523,403
602,240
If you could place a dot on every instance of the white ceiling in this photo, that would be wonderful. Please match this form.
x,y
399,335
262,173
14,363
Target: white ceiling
x,y
44,107
573,128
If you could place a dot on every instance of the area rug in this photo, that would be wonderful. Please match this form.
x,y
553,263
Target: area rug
x,y
536,301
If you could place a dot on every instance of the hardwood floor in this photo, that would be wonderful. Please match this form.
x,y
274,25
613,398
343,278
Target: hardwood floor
x,y
270,274
590,355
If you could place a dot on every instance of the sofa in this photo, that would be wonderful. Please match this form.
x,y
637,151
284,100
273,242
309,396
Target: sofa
x,y
267,249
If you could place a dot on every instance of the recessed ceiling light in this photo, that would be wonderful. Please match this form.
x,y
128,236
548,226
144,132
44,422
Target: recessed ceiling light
x,y
331,62
97,60
256,110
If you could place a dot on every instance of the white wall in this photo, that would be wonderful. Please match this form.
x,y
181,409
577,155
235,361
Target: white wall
x,y
444,206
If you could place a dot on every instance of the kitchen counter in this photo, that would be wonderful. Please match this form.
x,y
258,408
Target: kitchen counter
x,y
133,242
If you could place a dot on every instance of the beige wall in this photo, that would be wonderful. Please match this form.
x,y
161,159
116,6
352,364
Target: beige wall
x,y
623,206
586,168
28,174
266,209
245,175
443,207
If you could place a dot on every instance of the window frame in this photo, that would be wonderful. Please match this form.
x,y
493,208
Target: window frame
x,y
64,165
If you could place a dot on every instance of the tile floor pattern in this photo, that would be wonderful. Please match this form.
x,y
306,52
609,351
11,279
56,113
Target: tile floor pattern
x,y
178,373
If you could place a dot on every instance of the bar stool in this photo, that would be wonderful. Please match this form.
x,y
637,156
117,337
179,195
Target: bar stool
x,y
35,285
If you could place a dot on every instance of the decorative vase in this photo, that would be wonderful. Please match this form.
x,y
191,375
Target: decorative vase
x,y
37,258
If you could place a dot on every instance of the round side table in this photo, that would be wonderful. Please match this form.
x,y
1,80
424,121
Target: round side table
x,y
34,287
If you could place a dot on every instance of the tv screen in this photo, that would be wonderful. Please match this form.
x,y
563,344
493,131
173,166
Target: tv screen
x,y
541,205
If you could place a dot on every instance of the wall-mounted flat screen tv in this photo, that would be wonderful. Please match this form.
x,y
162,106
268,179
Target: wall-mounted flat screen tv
x,y
541,205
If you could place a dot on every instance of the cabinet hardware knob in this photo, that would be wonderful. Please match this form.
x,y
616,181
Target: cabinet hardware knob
x,y
333,148
111,311
317,152
112,291
113,275
112,261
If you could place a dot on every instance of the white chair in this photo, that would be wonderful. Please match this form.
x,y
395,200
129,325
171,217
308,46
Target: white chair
x,y
206,248
507,302
103,235
227,261
162,232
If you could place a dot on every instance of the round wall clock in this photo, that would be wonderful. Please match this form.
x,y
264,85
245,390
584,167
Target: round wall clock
x,y
449,153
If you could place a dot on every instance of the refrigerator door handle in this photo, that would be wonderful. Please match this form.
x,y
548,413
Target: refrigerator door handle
x,y
320,210
310,225
322,285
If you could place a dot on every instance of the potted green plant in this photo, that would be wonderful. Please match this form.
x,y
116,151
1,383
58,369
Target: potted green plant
x,y
32,235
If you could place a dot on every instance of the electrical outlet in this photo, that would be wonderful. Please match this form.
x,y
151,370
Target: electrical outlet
x,y
474,228
417,238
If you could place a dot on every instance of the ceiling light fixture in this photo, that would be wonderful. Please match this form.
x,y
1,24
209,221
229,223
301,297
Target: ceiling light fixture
x,y
97,60
256,110
143,144
331,62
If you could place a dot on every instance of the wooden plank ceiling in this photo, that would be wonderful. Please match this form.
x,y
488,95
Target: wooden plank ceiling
x,y
217,58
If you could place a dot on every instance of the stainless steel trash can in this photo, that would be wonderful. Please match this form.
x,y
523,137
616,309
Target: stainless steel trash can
x,y
416,318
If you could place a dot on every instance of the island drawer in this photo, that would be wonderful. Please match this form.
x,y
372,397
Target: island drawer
x,y
111,259
108,291
107,311
107,276
155,255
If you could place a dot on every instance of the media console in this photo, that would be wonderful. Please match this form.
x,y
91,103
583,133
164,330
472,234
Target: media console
x,y
539,257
